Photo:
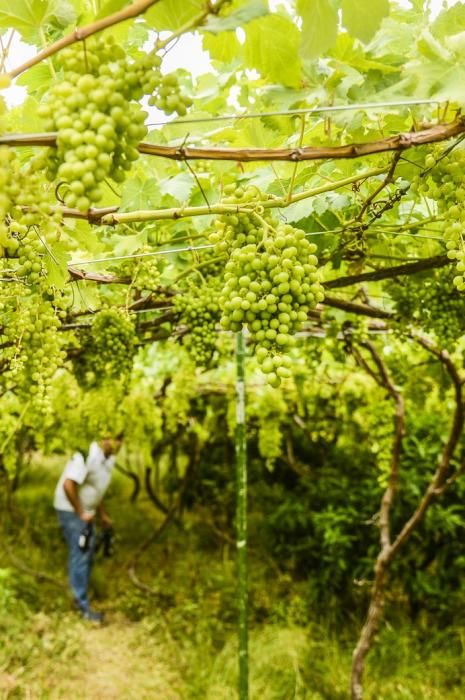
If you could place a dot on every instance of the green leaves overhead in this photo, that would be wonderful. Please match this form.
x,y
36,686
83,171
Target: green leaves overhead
x,y
238,18
363,19
270,47
169,15
28,17
319,27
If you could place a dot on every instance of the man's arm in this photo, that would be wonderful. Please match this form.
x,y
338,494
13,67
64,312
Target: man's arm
x,y
70,487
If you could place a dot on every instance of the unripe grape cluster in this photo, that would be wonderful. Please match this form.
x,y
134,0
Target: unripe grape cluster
x,y
30,327
145,271
444,182
29,226
108,350
94,109
433,303
271,279
28,221
199,309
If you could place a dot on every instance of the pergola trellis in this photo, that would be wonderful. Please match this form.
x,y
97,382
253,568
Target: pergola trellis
x,y
110,216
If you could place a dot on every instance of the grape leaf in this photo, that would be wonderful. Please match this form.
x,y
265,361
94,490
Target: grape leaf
x,y
110,7
139,194
179,187
36,78
56,262
270,48
172,14
363,20
238,18
319,27
29,16
224,48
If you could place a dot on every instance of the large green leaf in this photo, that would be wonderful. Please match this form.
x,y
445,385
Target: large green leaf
x,y
319,27
270,47
36,79
238,18
172,14
112,6
56,262
363,19
179,187
29,16
224,48
139,194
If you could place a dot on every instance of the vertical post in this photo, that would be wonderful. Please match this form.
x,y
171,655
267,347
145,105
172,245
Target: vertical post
x,y
241,517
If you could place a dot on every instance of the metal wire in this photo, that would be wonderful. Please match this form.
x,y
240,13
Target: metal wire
x,y
190,249
294,112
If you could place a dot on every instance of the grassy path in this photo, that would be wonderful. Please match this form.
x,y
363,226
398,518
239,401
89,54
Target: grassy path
x,y
120,660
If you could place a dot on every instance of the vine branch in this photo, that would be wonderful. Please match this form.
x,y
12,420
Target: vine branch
x,y
398,142
135,10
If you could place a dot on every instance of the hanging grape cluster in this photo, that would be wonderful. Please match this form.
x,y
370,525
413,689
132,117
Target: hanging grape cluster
x,y
94,109
144,271
108,350
433,303
33,348
444,183
271,279
29,226
198,308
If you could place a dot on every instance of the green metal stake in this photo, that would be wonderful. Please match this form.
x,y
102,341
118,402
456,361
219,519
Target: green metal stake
x,y
241,518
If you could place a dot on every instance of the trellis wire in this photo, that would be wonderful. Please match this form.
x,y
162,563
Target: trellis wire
x,y
297,112
190,249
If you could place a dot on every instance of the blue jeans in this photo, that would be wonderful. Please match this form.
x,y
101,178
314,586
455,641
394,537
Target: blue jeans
x,y
79,562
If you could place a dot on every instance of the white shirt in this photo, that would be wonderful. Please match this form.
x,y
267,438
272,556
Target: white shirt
x,y
92,476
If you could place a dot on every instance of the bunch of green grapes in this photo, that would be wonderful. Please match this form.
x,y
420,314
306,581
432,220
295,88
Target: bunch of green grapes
x,y
271,280
35,348
95,112
270,411
433,303
145,272
212,264
108,350
444,182
199,310
28,221
169,98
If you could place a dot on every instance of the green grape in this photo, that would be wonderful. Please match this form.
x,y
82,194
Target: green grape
x,y
199,310
96,113
145,272
108,350
432,303
270,279
444,183
28,221
32,347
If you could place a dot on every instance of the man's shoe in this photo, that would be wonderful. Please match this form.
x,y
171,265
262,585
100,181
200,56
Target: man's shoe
x,y
92,615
